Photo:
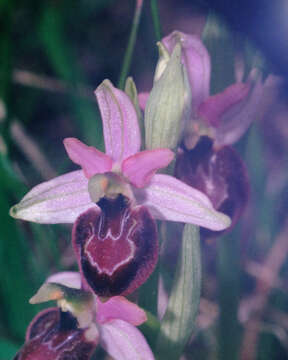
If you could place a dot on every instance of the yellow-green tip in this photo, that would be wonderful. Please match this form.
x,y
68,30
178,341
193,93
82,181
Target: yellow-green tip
x,y
47,292
13,211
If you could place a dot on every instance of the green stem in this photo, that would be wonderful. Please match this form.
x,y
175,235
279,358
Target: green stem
x,y
156,19
131,43
148,293
228,271
179,319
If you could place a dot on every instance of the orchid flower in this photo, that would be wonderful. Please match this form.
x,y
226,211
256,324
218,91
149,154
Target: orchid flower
x,y
81,323
114,200
225,116
205,160
64,198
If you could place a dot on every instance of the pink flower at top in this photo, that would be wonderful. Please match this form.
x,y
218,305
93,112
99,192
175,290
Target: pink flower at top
x,y
57,333
205,159
64,198
226,115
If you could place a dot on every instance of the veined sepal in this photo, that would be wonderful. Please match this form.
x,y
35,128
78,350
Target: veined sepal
x,y
180,316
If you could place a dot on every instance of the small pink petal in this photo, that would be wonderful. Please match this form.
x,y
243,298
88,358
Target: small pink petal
x,y
119,307
123,341
212,109
71,279
89,158
170,199
142,98
60,200
196,59
140,168
120,122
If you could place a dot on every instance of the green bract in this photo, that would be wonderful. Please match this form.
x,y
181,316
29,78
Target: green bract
x,y
169,102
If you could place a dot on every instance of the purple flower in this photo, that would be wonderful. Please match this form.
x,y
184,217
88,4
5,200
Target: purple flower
x,y
209,163
225,116
74,330
205,160
63,199
218,172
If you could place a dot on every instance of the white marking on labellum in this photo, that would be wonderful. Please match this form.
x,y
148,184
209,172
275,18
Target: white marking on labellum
x,y
114,238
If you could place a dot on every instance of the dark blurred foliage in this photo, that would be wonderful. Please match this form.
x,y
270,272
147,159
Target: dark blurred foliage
x,y
264,22
53,54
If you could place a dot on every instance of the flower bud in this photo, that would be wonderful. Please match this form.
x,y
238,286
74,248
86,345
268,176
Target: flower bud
x,y
163,61
116,246
168,104
196,61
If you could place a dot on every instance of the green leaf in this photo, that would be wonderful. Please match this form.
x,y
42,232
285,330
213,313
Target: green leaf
x,y
131,45
179,319
20,268
8,349
228,275
148,294
15,287
156,19
61,57
150,329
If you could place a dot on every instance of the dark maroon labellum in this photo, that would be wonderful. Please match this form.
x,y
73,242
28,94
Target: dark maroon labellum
x,y
54,335
116,246
220,174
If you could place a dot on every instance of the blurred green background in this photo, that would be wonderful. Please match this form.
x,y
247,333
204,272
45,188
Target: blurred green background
x,y
53,54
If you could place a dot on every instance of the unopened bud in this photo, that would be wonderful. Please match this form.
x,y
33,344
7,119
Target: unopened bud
x,y
169,102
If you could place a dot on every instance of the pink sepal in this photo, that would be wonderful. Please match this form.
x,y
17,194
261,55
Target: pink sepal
x,y
89,158
140,168
120,123
236,120
142,99
60,200
123,341
215,106
170,199
119,307
196,59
